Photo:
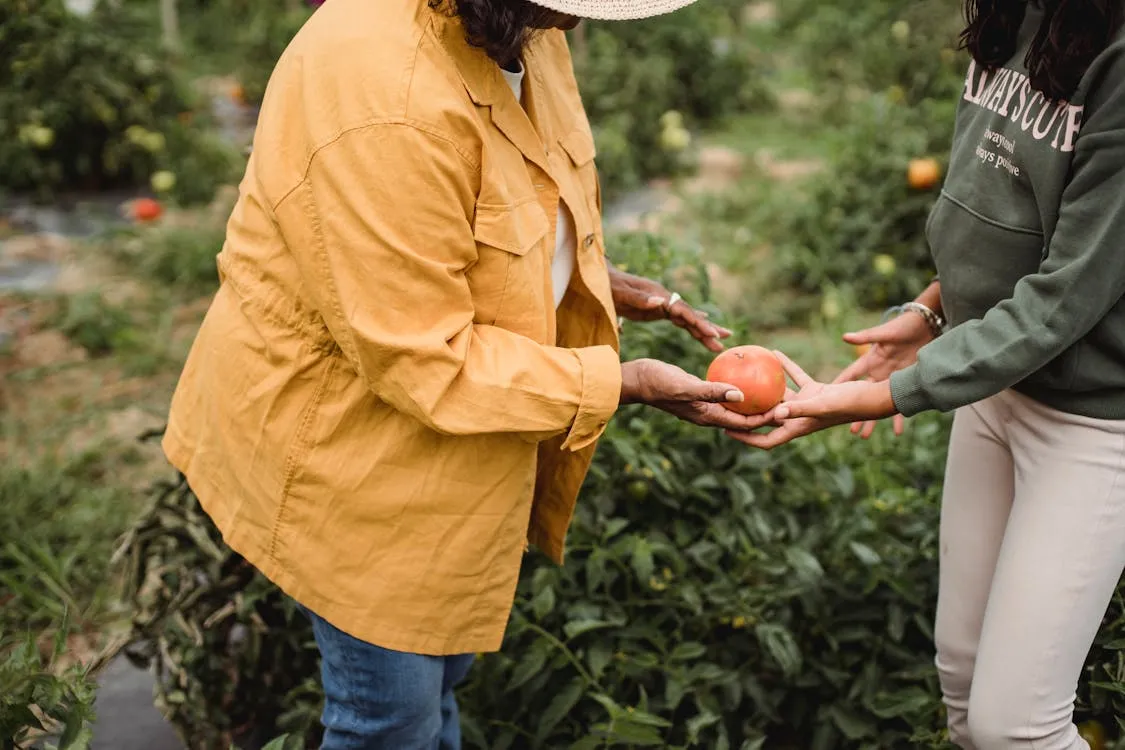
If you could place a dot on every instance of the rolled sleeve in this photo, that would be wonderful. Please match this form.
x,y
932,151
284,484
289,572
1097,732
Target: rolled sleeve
x,y
601,395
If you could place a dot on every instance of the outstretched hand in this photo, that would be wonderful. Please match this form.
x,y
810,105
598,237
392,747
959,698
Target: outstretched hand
x,y
668,388
640,299
817,406
893,346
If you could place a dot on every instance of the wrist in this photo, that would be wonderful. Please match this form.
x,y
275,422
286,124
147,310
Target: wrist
x,y
931,297
630,382
616,276
933,321
882,400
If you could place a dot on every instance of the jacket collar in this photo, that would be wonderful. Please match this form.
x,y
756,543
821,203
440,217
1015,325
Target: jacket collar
x,y
487,88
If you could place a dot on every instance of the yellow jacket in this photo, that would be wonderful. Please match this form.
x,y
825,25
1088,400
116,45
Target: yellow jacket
x,y
382,406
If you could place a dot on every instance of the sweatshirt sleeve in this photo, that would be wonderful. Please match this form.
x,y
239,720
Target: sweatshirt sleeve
x,y
1081,278
391,206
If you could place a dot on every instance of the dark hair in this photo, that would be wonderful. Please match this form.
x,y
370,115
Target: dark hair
x,y
1072,34
500,27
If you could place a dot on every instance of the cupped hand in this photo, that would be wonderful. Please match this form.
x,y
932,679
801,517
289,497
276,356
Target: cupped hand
x,y
817,406
671,389
639,299
893,346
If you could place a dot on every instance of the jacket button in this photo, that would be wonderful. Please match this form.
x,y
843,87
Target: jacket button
x,y
589,240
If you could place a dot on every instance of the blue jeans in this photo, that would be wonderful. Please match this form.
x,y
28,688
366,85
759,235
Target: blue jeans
x,y
377,699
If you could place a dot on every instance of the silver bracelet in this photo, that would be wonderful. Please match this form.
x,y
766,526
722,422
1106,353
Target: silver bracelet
x,y
933,320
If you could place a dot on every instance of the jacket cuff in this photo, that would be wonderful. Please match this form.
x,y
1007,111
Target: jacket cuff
x,y
601,395
907,392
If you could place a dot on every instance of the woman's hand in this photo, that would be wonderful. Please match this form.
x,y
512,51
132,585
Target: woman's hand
x,y
640,299
668,388
817,406
894,346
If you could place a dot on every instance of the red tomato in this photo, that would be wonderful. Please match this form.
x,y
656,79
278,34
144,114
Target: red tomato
x,y
147,209
754,371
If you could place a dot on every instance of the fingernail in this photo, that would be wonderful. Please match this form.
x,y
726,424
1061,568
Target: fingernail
x,y
782,412
735,396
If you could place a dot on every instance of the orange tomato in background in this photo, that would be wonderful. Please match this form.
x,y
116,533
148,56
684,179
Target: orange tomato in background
x,y
147,209
756,372
923,174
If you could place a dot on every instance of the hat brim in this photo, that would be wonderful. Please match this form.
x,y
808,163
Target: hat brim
x,y
614,10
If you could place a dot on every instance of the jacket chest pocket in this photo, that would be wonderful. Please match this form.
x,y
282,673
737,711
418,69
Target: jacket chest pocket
x,y
579,146
509,280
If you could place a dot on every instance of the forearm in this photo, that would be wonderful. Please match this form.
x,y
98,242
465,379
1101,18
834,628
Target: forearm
x,y
1046,314
931,297
489,380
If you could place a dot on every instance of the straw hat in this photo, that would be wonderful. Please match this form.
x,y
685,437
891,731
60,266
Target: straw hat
x,y
614,10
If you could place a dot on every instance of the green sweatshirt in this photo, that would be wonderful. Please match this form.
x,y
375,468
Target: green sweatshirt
x,y
1028,238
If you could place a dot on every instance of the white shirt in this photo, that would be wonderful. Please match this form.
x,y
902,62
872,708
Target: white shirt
x,y
562,268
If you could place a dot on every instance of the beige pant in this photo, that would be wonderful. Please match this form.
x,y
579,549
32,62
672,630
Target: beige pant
x,y
1032,547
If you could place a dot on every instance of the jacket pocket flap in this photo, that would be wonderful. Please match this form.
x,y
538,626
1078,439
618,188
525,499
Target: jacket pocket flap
x,y
513,229
579,144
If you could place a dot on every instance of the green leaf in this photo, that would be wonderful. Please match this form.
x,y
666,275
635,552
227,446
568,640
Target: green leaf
x,y
865,554
613,527
615,711
629,733
560,706
674,691
1113,687
650,720
598,657
76,732
543,602
697,724
575,628
804,563
531,665
643,564
852,726
896,623
904,703
277,743
596,570
780,645
471,732
688,651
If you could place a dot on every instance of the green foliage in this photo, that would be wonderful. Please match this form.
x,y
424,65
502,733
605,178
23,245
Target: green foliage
x,y
56,539
179,257
264,37
888,95
103,329
694,63
90,103
235,658
872,45
97,326
862,211
38,700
